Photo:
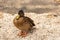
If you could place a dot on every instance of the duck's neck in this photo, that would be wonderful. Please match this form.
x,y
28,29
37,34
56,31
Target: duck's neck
x,y
21,16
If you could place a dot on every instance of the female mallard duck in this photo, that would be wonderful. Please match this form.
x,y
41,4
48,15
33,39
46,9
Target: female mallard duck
x,y
23,23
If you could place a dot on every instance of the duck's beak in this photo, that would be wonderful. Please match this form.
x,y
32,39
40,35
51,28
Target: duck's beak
x,y
17,17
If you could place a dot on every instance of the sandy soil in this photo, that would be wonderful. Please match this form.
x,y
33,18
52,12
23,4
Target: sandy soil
x,y
47,27
46,16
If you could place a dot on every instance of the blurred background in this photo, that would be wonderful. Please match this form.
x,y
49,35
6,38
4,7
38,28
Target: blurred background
x,y
35,6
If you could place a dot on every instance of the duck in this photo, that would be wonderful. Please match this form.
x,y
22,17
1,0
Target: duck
x,y
23,23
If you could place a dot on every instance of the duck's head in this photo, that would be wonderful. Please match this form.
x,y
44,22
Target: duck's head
x,y
20,14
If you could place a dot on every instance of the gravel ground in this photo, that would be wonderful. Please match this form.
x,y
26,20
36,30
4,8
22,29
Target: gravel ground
x,y
47,27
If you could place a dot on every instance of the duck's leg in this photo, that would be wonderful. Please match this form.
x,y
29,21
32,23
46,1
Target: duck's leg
x,y
22,33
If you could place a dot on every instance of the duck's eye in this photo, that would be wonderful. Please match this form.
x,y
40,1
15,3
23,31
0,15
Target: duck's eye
x,y
17,17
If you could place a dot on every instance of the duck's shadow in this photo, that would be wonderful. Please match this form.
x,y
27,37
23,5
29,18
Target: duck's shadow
x,y
33,30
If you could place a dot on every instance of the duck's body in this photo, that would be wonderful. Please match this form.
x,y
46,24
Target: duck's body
x,y
24,24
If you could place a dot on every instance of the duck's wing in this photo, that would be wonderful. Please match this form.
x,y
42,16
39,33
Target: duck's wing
x,y
30,21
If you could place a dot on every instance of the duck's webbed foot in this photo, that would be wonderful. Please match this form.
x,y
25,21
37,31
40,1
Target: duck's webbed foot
x,y
22,33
